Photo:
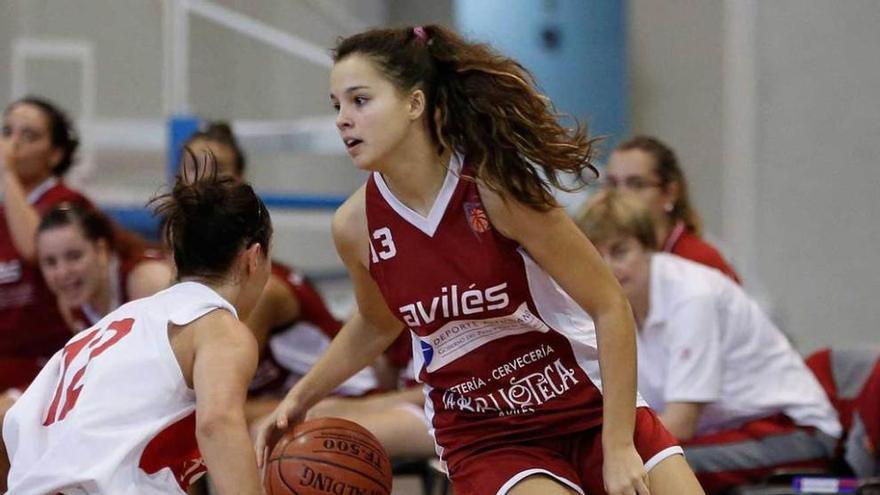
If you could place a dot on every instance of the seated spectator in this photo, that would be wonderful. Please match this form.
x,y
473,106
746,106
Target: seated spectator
x,y
38,144
724,379
88,271
649,169
37,147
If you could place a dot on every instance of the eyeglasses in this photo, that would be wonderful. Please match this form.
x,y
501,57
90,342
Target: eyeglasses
x,y
633,183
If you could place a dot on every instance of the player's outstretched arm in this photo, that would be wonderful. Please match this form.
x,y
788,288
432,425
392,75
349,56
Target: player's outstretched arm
x,y
224,363
21,218
370,331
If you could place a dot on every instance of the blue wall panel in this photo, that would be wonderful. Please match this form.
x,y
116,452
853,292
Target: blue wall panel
x,y
575,48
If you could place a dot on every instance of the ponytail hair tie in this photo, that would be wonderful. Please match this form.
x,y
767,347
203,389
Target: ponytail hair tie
x,y
420,33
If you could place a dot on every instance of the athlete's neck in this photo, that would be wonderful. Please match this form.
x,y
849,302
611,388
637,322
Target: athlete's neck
x,y
640,301
663,228
27,184
415,178
101,299
227,288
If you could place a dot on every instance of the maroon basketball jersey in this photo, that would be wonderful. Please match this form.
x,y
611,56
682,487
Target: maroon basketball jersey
x,y
504,353
31,326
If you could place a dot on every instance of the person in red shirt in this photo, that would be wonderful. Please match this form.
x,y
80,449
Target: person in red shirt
x,y
649,169
521,336
37,147
88,271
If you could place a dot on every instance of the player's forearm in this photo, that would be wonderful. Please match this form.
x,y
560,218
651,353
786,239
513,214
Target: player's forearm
x,y
21,217
617,361
229,455
356,346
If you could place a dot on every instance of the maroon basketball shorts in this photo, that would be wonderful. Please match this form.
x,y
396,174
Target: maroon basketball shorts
x,y
574,460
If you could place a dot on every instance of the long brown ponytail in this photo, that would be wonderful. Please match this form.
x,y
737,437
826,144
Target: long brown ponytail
x,y
484,105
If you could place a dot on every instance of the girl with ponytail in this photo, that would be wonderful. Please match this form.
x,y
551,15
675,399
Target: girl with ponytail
x,y
522,338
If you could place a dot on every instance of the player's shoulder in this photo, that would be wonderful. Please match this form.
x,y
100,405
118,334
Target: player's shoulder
x,y
350,223
352,214
514,218
281,286
60,193
684,280
697,249
220,323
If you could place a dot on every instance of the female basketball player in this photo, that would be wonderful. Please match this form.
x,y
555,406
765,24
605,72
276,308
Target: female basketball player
x,y
291,322
724,379
37,147
126,407
457,237
88,271
649,169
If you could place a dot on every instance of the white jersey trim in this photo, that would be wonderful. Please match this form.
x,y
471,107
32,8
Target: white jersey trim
x,y
662,456
561,313
428,224
432,431
505,488
38,192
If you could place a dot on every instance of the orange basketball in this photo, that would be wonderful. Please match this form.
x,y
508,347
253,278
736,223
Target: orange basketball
x,y
328,455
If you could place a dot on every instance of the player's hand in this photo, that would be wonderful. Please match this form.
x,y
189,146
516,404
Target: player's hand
x,y
6,158
624,472
288,413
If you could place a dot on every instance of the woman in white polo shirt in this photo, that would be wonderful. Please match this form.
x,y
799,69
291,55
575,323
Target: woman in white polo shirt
x,y
724,379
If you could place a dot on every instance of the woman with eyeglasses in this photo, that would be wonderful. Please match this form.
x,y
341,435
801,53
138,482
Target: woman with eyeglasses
x,y
649,169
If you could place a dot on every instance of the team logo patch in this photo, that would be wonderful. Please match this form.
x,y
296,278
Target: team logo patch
x,y
477,218
427,352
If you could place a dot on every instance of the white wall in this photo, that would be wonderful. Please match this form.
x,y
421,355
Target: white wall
x,y
818,182
675,67
812,203
231,77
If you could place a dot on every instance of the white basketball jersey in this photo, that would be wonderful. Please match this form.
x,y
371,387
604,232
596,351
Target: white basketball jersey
x,y
111,412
